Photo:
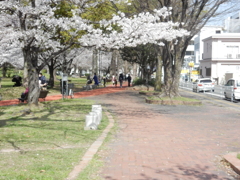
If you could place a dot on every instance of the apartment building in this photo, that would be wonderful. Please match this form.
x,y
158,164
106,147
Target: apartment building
x,y
221,55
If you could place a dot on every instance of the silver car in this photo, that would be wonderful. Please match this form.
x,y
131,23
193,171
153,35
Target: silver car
x,y
232,89
203,84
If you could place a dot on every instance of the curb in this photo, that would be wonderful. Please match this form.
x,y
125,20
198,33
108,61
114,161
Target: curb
x,y
91,151
234,162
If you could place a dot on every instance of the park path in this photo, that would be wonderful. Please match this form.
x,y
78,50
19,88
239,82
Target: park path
x,y
94,92
157,142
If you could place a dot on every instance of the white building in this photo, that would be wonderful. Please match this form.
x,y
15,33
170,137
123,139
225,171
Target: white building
x,y
232,24
221,55
205,32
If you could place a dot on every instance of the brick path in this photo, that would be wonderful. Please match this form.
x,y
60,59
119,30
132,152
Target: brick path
x,y
168,142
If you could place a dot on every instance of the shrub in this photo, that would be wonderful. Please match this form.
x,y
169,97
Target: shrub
x,y
9,74
87,74
152,82
140,81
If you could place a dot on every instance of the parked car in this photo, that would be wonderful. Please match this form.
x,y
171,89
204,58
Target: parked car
x,y
232,89
203,84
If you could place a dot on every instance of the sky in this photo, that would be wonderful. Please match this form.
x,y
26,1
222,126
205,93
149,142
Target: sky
x,y
234,9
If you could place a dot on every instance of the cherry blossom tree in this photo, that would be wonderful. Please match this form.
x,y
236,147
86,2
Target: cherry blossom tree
x,y
144,28
170,28
33,26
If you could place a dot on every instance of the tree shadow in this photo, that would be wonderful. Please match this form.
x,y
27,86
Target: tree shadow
x,y
179,172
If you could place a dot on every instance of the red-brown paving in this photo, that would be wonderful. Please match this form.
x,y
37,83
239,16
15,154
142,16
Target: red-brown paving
x,y
94,92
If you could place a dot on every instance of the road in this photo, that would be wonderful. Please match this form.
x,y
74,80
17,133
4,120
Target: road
x,y
211,96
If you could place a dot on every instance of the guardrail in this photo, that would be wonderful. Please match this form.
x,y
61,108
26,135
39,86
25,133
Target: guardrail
x,y
218,89
186,84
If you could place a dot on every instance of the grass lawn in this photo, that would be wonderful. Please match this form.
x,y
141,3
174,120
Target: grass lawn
x,y
47,142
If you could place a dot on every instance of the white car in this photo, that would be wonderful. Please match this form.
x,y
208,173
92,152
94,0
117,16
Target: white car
x,y
232,89
203,84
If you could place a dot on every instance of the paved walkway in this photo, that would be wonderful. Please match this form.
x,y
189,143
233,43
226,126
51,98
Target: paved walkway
x,y
168,142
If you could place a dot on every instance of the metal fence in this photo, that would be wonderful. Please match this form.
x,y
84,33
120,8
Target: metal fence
x,y
218,90
185,84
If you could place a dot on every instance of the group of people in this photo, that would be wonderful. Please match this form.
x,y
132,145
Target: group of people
x,y
121,78
115,80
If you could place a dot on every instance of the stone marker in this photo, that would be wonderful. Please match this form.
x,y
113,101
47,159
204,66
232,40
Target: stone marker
x,y
94,118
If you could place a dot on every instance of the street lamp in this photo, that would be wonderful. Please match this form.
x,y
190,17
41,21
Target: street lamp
x,y
99,59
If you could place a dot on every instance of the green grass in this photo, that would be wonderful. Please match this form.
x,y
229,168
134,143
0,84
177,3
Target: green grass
x,y
238,155
93,170
50,140
150,91
175,98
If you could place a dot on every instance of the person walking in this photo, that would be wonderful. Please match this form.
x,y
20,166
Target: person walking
x,y
114,80
95,78
104,81
120,79
129,78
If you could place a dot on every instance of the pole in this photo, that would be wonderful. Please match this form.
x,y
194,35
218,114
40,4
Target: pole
x,y
99,63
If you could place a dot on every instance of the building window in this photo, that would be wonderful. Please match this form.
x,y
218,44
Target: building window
x,y
208,71
218,32
189,53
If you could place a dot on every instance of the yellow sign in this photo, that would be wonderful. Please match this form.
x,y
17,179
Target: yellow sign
x,y
184,71
195,72
191,64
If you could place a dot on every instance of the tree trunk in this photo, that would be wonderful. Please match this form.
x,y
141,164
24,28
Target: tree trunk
x,y
80,71
173,58
51,76
54,74
4,70
94,61
158,83
113,63
179,53
135,70
25,74
31,59
64,65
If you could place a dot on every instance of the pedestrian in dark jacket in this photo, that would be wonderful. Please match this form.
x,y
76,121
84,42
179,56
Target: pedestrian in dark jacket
x,y
120,79
129,78
95,78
